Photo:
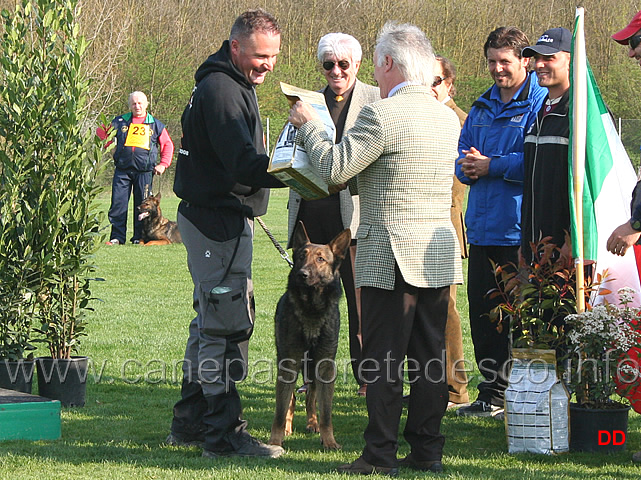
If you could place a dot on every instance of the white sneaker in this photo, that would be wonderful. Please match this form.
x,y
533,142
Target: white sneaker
x,y
113,241
499,414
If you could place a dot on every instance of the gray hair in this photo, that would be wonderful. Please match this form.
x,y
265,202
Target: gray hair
x,y
410,50
341,45
140,94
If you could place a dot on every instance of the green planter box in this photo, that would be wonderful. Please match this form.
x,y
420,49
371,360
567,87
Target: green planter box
x,y
28,417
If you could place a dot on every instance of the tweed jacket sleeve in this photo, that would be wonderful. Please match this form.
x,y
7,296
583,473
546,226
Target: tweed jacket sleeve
x,y
349,204
403,150
362,95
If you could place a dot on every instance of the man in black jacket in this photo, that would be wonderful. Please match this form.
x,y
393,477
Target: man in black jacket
x,y
545,211
628,233
546,206
222,179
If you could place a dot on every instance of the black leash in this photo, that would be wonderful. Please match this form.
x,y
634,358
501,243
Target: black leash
x,y
284,255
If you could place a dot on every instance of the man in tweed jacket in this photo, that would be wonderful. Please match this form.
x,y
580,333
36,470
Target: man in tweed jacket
x,y
403,149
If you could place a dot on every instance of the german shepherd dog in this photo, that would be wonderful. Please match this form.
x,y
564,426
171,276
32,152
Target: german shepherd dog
x,y
306,326
156,229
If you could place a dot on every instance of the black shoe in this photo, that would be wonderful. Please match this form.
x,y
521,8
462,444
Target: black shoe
x,y
434,466
479,409
248,446
178,441
361,467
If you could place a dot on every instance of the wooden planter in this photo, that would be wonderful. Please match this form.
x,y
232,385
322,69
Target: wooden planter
x,y
28,417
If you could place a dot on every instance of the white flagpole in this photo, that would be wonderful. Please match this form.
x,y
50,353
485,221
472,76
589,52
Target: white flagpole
x,y
579,126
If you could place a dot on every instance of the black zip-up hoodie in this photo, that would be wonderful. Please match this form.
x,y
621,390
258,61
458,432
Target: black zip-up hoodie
x,y
222,162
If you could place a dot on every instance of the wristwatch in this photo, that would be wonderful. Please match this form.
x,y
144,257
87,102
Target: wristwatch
x,y
635,224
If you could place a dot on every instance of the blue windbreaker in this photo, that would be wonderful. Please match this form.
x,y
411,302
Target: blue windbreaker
x,y
497,130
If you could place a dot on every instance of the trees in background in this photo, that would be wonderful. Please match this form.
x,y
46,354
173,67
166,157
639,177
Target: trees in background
x,y
156,46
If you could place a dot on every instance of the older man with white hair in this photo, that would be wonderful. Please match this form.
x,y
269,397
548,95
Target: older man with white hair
x,y
339,55
139,139
403,149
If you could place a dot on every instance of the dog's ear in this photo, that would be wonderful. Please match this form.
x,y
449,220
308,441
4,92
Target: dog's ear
x,y
300,237
157,196
339,245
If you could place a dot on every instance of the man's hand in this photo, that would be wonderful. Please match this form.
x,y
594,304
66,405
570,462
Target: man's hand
x,y
623,237
337,188
302,113
159,169
474,164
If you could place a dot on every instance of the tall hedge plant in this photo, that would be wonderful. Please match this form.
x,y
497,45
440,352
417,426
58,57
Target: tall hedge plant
x,y
49,162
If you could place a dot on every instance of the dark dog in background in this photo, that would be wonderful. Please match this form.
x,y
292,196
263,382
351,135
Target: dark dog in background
x,y
307,324
156,229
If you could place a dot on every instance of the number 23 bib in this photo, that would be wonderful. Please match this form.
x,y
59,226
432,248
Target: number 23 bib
x,y
138,136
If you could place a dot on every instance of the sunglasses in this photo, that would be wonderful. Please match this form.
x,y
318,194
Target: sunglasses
x,y
437,81
342,64
634,41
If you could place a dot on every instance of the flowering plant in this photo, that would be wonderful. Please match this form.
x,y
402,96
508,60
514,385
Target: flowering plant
x,y
601,338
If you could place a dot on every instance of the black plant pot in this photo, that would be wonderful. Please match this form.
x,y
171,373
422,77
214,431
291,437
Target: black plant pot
x,y
16,375
63,379
598,430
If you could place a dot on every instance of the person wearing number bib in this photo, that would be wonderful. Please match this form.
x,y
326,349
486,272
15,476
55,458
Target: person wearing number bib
x,y
139,136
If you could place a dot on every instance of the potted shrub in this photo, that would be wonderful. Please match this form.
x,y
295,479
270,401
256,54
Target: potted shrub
x,y
62,376
50,160
600,366
534,298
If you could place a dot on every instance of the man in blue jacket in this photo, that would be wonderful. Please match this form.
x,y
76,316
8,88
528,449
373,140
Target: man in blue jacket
x,y
491,163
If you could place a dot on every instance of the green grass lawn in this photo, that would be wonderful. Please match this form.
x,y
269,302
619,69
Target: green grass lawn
x,y
136,340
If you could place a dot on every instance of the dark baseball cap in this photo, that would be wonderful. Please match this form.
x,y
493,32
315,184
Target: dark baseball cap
x,y
553,41
633,27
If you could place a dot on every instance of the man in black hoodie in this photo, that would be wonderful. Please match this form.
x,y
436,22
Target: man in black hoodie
x,y
222,179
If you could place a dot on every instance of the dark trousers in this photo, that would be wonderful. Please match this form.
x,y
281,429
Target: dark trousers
x,y
123,183
491,347
407,321
322,220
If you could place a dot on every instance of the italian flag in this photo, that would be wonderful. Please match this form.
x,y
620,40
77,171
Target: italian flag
x,y
601,176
